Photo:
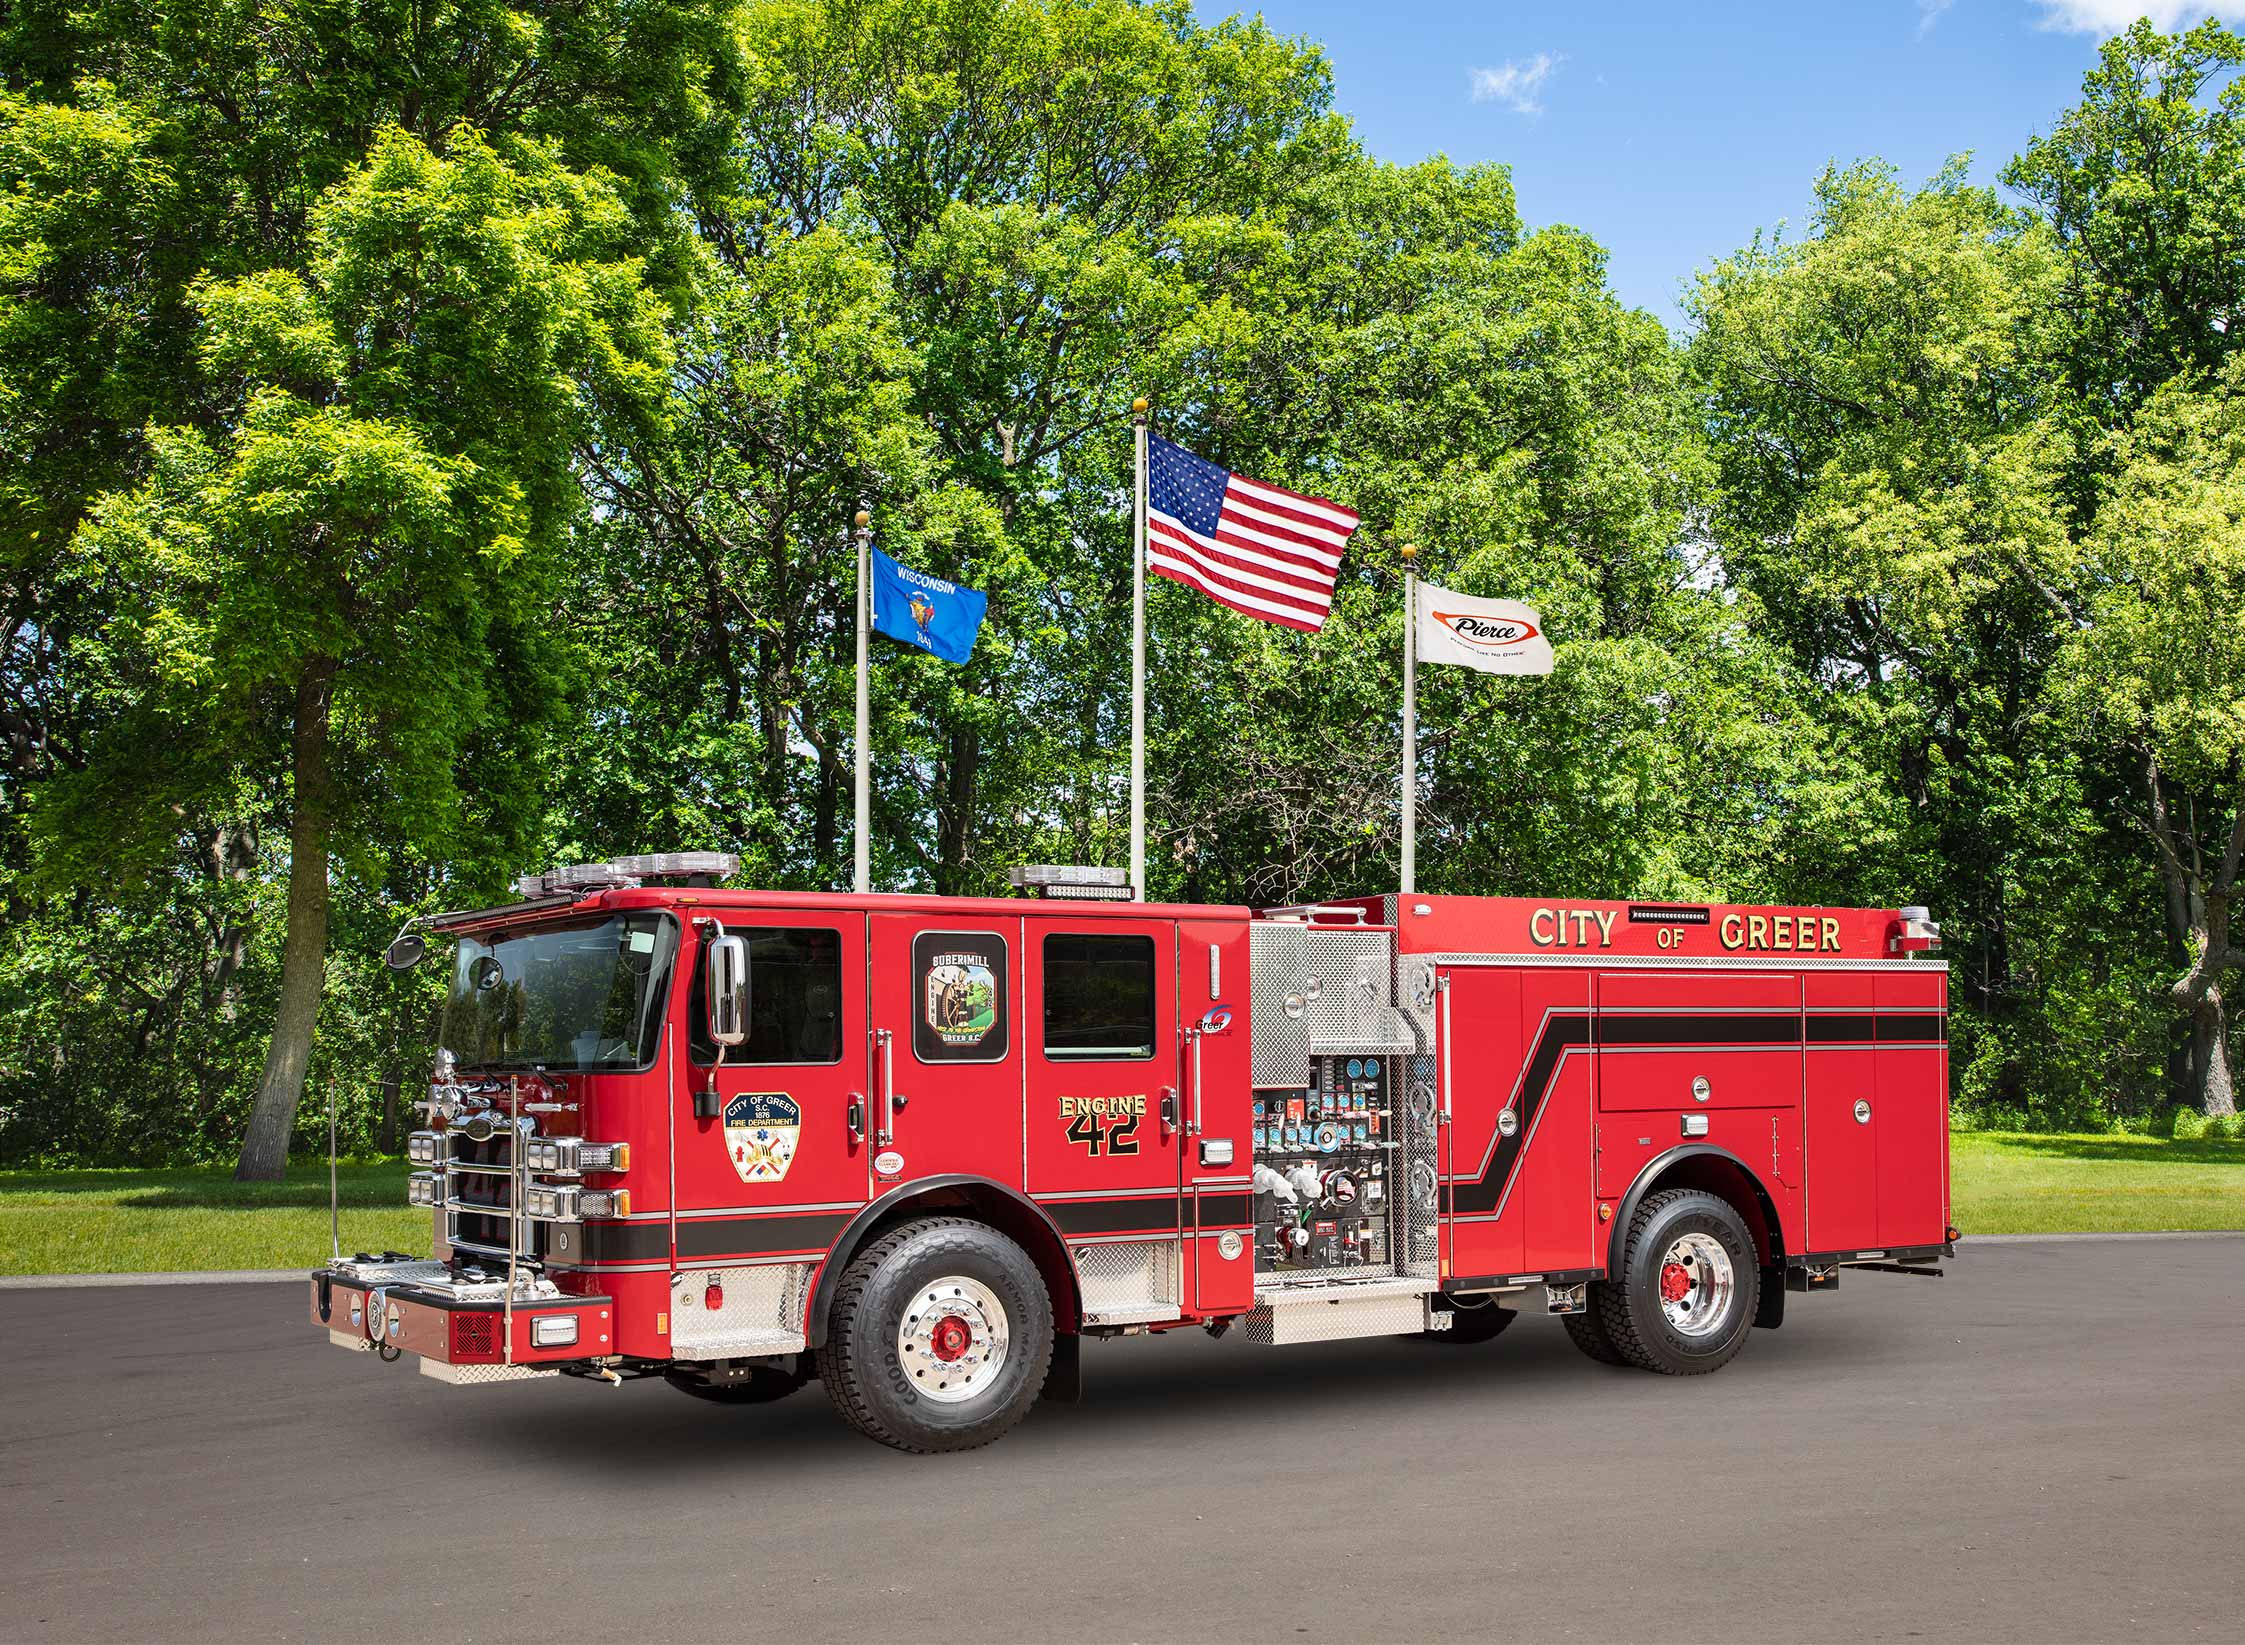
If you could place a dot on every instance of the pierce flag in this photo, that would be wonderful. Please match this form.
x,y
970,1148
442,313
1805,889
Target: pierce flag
x,y
1495,636
925,611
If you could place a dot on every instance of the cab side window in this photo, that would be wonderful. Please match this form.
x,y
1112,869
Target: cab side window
x,y
1099,998
794,998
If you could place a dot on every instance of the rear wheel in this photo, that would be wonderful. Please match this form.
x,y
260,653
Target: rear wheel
x,y
1587,1331
939,1338
1688,1288
1472,1322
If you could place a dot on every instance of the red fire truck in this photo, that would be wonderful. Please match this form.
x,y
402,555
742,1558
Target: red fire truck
x,y
922,1147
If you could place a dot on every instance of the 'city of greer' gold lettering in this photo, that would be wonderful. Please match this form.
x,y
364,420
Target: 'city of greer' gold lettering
x,y
1103,1107
1781,933
1549,927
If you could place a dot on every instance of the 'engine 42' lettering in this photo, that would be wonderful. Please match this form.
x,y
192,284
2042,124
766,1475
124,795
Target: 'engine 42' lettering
x,y
1104,1124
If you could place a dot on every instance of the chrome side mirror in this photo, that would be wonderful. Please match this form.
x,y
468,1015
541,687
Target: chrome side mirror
x,y
728,990
407,952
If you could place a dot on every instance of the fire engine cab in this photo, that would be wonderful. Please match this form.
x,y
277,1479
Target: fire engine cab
x,y
922,1147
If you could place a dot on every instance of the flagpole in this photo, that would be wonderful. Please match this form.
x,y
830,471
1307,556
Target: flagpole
x,y
1410,874
861,874
1138,661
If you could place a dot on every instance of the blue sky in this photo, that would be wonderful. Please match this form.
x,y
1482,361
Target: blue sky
x,y
1671,131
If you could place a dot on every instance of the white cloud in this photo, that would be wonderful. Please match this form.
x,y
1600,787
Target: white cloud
x,y
2111,16
1929,13
1516,84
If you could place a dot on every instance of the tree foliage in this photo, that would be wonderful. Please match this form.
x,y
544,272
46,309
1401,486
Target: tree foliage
x,y
428,439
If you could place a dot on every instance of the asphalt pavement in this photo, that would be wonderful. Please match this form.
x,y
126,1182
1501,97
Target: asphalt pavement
x,y
2043,1446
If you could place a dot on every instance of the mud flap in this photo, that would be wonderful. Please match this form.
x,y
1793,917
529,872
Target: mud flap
x,y
1064,1382
1769,1313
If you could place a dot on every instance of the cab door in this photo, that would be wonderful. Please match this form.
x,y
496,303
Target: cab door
x,y
946,1049
766,1160
1104,1135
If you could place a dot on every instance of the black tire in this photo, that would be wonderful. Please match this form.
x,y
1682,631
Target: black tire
x,y
1472,1323
761,1386
1587,1331
864,1368
1631,1309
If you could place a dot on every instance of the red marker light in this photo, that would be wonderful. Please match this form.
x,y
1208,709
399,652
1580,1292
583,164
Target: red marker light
x,y
714,1297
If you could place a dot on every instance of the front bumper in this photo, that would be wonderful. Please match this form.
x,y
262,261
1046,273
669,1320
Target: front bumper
x,y
462,1332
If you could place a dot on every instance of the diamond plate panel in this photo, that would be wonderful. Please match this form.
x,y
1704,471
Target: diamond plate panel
x,y
466,1375
1390,1309
762,1308
1351,991
1278,1009
1140,1278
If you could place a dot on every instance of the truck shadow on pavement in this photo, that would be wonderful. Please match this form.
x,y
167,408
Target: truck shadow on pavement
x,y
1211,1390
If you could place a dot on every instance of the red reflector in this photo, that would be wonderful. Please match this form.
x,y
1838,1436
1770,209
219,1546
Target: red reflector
x,y
714,1297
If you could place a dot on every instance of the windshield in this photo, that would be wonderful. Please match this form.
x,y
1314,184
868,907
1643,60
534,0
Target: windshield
x,y
581,996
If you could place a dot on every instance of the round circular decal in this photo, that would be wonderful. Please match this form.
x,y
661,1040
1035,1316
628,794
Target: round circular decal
x,y
889,1163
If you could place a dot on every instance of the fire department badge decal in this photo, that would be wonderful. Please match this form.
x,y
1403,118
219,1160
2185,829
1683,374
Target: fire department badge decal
x,y
761,1128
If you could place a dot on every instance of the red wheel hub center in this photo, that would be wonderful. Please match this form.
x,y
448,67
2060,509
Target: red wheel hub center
x,y
950,1338
1675,1282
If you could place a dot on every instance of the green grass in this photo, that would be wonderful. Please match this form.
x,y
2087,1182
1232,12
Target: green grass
x,y
95,1222
114,1222
2005,1182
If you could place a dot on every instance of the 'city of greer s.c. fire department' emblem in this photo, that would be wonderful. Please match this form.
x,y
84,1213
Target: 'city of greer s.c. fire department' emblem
x,y
760,1132
961,1001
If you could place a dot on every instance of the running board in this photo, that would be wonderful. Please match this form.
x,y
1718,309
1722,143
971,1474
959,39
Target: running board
x,y
1330,1313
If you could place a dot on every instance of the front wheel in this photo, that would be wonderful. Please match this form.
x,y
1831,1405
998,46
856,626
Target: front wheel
x,y
939,1338
1688,1287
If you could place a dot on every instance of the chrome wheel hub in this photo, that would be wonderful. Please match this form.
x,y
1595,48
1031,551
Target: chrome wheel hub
x,y
954,1339
1697,1283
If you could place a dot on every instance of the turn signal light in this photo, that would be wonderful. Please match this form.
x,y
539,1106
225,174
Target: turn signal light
x,y
576,1204
424,1148
424,1188
573,1156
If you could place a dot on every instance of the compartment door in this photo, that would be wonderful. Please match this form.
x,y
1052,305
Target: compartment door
x,y
1911,1106
1842,1119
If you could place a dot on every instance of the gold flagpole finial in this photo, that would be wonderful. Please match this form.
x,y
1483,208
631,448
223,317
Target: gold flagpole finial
x,y
1138,408
1409,551
863,519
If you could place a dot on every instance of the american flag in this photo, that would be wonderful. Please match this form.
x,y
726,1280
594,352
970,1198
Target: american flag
x,y
1257,548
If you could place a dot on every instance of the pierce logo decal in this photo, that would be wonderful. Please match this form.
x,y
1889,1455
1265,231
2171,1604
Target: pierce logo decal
x,y
1487,633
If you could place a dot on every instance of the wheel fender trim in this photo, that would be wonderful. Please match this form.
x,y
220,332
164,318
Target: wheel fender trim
x,y
860,1228
1658,1166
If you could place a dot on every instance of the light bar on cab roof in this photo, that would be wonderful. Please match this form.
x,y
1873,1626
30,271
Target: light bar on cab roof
x,y
694,867
1082,882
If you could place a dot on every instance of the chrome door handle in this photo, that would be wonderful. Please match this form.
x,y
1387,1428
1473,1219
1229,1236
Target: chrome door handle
x,y
885,1047
1194,1129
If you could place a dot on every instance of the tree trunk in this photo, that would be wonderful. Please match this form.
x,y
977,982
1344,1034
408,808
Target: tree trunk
x,y
2217,1092
304,951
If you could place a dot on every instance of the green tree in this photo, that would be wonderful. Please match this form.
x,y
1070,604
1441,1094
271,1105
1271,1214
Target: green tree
x,y
358,560
2143,187
2157,666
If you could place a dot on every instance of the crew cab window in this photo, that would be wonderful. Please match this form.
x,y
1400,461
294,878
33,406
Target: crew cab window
x,y
1099,998
794,998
